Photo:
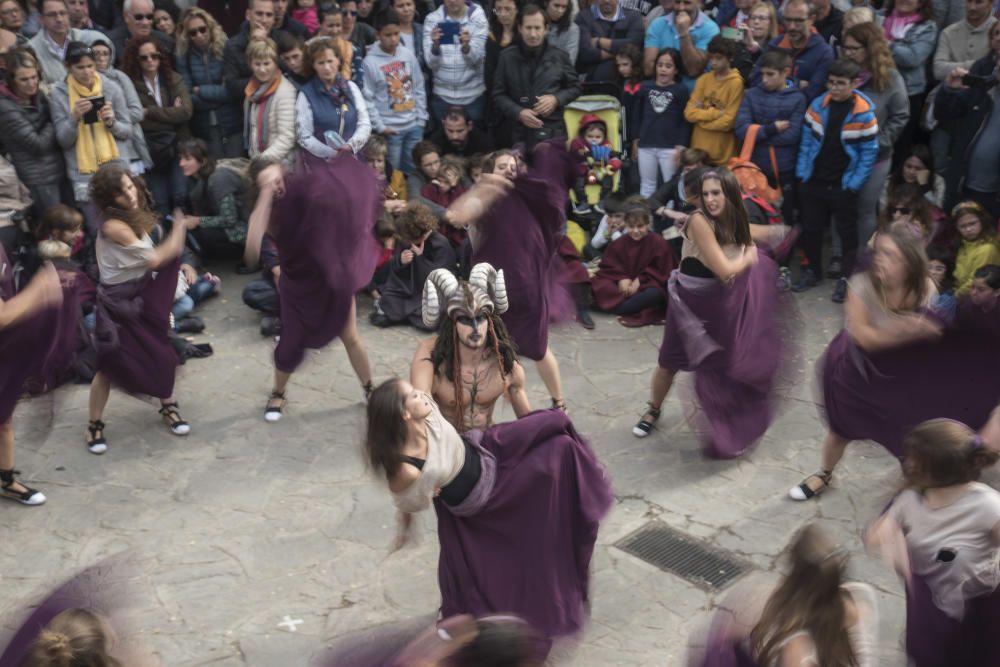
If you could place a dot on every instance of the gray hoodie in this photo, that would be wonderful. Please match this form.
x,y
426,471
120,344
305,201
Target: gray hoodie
x,y
132,149
394,89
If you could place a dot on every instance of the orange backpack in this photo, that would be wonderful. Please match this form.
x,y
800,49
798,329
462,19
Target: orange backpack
x,y
751,178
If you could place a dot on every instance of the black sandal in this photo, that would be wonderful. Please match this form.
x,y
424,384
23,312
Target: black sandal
x,y
804,492
172,418
272,413
559,404
643,428
96,444
27,497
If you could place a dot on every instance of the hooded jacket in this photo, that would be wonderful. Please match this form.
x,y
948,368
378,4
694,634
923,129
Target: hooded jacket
x,y
134,148
394,89
764,107
808,63
30,139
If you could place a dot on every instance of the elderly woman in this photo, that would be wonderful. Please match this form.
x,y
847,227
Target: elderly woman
x,y
269,107
331,114
91,117
168,110
29,135
216,118
912,35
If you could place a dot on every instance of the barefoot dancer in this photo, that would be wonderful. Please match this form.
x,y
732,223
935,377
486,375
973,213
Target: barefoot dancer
x,y
472,350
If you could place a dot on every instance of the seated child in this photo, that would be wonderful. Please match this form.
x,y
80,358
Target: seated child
x,y
631,280
192,289
941,267
985,290
978,247
420,250
443,190
907,205
475,167
612,226
393,181
668,202
385,235
598,161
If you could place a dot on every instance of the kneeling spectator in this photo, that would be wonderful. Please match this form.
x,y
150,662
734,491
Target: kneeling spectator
x,y
217,194
631,280
420,250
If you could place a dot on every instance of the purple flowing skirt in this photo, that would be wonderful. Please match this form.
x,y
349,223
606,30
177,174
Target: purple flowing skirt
x,y
323,229
882,396
521,235
132,333
731,338
527,549
934,639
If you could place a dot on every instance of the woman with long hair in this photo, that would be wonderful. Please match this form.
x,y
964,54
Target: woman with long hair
x,y
563,31
198,53
218,200
518,505
911,32
138,281
917,169
762,27
168,107
501,35
331,113
875,373
882,83
813,616
721,323
906,205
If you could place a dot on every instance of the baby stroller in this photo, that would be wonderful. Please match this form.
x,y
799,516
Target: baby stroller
x,y
602,100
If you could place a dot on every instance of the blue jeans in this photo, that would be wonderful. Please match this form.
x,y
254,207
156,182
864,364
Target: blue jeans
x,y
196,294
401,148
169,187
474,109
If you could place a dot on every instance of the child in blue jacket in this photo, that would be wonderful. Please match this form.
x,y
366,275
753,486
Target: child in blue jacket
x,y
836,155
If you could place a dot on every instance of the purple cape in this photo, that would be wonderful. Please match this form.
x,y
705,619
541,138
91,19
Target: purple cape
x,y
527,550
323,229
881,396
132,333
934,639
521,235
649,259
731,338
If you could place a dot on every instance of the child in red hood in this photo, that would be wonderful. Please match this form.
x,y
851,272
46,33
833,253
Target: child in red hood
x,y
598,160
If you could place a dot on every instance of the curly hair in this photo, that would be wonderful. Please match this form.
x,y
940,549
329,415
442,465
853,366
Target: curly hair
x,y
445,355
215,32
880,62
414,221
106,186
130,60
341,48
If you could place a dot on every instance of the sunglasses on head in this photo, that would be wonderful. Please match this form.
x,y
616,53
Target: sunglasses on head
x,y
902,210
200,30
142,17
148,57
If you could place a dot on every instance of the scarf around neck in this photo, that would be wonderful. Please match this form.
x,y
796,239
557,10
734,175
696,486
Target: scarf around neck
x,y
261,95
94,143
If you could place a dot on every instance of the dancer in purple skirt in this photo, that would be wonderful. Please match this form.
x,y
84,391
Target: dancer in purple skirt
x,y
722,323
895,364
518,505
942,535
138,281
27,326
322,226
515,223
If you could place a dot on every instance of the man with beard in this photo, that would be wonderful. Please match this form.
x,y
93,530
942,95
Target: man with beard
x,y
687,29
810,54
472,362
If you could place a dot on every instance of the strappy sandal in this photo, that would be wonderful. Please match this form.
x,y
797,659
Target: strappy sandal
x,y
804,492
644,426
272,413
96,444
559,404
172,418
369,388
27,497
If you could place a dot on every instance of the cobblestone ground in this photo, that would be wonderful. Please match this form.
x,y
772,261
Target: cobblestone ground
x,y
243,523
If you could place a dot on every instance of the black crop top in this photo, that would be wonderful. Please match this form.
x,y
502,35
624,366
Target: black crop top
x,y
459,488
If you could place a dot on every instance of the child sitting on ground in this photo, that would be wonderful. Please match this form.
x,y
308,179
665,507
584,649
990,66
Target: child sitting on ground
x,y
612,226
978,247
192,289
941,268
598,161
393,181
443,190
385,235
631,281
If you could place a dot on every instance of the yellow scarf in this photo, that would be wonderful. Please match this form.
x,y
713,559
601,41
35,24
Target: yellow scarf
x,y
94,143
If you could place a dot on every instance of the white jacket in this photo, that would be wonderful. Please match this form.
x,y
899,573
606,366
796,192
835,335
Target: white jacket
x,y
280,125
458,77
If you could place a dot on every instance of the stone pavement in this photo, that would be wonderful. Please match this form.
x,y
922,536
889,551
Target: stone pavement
x,y
243,529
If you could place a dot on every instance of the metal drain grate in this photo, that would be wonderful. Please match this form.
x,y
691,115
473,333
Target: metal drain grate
x,y
704,566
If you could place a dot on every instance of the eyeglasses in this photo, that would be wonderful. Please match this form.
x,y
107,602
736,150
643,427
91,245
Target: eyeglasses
x,y
902,210
142,17
200,30
350,12
790,20
10,12
149,57
762,17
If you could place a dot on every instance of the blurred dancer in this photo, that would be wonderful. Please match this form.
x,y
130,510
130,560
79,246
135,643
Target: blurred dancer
x,y
518,505
322,226
942,535
894,364
722,323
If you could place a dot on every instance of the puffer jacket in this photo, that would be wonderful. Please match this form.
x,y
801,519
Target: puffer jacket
x,y
30,139
764,108
280,125
911,54
858,135
205,71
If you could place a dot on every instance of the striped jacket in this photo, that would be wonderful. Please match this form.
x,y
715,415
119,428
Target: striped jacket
x,y
859,135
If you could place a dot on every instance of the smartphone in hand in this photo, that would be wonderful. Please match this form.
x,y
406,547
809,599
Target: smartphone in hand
x,y
92,116
449,31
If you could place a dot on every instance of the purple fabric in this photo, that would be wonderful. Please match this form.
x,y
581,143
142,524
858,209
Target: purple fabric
x,y
521,235
323,228
528,550
731,338
132,333
882,396
934,639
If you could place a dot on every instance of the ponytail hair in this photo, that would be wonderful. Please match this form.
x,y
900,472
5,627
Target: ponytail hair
x,y
944,452
75,637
